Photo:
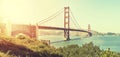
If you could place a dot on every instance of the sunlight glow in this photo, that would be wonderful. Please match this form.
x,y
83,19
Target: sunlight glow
x,y
22,11
12,12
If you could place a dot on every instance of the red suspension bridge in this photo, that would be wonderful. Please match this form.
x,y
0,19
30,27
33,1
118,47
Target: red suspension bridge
x,y
32,30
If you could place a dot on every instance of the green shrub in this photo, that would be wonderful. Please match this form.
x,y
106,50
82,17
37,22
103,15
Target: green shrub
x,y
86,50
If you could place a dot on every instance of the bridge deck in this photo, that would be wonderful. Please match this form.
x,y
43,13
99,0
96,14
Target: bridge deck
x,y
58,28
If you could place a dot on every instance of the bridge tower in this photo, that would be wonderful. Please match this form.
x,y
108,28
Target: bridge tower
x,y
89,28
67,23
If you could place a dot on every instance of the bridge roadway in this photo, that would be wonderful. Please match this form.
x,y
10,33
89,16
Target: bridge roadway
x,y
58,28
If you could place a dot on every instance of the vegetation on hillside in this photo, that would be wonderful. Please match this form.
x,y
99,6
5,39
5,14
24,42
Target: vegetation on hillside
x,y
86,50
23,46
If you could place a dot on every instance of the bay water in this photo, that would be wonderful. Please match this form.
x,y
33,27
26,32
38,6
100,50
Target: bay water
x,y
104,42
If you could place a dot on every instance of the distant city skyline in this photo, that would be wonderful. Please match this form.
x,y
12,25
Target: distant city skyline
x,y
102,15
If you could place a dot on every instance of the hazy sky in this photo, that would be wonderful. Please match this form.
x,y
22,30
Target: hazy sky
x,y
103,15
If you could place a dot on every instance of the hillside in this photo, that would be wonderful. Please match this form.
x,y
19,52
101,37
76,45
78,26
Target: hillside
x,y
24,47
27,47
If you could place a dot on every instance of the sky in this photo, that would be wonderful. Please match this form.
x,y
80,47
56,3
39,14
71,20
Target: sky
x,y
102,15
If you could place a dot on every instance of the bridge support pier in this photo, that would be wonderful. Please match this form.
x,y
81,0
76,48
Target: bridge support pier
x,y
66,23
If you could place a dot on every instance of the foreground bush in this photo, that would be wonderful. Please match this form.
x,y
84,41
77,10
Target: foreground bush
x,y
86,50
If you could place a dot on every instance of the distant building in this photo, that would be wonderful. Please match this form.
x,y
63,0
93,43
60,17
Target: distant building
x,y
29,30
15,29
2,28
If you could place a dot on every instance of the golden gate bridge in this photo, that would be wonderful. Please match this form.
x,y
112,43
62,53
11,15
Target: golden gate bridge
x,y
32,30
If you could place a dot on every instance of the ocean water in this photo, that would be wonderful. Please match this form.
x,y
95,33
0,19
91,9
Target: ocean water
x,y
104,42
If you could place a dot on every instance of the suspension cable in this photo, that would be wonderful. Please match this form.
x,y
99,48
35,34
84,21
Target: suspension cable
x,y
75,19
74,23
50,16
